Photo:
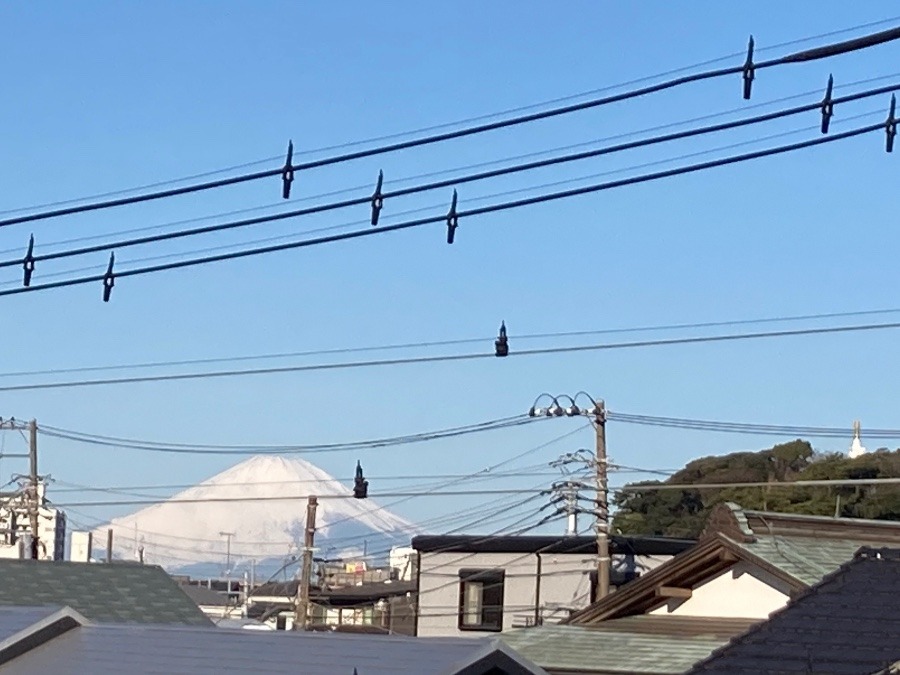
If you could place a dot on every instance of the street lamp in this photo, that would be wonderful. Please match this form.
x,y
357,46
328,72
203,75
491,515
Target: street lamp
x,y
596,412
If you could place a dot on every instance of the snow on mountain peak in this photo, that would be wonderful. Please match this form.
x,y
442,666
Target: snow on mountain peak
x,y
262,501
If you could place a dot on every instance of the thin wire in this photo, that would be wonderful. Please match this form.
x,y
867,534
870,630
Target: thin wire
x,y
494,208
177,448
803,56
837,482
452,357
461,341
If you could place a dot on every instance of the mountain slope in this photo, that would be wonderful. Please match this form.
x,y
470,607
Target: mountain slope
x,y
189,528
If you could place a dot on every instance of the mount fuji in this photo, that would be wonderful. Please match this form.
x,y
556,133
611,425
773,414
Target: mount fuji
x,y
189,532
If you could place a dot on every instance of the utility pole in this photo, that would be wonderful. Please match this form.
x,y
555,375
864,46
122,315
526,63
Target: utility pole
x,y
33,492
228,536
301,606
602,502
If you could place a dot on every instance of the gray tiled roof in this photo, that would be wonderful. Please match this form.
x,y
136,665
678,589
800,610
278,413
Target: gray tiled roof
x,y
146,650
804,558
607,650
116,592
849,624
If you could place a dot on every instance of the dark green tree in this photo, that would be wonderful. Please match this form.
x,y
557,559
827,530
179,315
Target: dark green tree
x,y
683,512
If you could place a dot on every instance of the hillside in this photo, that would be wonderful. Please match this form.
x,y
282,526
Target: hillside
x,y
682,513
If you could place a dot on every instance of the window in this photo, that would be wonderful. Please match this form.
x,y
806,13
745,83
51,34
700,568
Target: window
x,y
481,599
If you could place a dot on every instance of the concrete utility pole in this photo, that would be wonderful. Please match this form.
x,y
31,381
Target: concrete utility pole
x,y
602,503
597,414
301,606
33,492
228,536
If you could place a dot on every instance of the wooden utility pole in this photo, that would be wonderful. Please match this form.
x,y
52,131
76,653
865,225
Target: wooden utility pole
x,y
109,544
602,503
301,605
33,492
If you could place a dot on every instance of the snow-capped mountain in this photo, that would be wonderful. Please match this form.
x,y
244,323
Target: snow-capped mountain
x,y
190,528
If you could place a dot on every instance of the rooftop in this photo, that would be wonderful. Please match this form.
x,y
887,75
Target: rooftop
x,y
108,592
469,543
848,623
144,650
638,644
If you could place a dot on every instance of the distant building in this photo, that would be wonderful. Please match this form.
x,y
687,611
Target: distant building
x,y
15,528
856,447
469,585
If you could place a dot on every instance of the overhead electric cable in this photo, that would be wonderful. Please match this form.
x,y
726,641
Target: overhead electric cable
x,y
450,357
748,69
451,218
461,341
453,181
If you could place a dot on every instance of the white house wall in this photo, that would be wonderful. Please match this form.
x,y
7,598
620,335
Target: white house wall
x,y
742,591
565,587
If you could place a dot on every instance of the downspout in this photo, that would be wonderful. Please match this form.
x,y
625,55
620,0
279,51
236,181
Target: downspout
x,y
418,591
537,592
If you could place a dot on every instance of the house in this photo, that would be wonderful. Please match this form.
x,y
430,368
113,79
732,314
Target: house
x,y
15,528
847,624
376,606
103,592
214,604
471,585
747,565
59,640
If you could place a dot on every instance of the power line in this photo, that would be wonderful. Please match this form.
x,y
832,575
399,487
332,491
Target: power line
x,y
450,357
747,428
839,482
458,180
467,167
748,69
447,125
291,498
461,341
454,216
185,448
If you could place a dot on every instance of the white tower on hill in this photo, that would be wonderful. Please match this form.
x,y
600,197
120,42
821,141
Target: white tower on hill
x,y
856,447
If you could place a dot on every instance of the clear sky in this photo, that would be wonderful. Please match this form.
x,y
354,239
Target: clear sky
x,y
104,96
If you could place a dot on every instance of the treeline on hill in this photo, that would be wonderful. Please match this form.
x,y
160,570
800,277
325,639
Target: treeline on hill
x,y
683,513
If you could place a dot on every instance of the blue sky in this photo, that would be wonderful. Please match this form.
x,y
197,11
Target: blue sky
x,y
105,96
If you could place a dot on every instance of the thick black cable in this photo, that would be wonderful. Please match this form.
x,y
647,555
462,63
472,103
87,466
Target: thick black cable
x,y
493,208
456,181
450,357
802,56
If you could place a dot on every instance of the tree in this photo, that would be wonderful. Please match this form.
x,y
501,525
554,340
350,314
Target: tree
x,y
683,513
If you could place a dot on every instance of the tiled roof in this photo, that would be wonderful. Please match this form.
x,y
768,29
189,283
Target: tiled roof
x,y
115,592
642,644
150,650
848,624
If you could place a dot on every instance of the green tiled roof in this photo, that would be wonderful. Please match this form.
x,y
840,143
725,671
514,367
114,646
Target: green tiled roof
x,y
807,559
591,649
104,593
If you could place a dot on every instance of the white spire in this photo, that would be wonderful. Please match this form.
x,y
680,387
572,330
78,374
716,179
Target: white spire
x,y
856,447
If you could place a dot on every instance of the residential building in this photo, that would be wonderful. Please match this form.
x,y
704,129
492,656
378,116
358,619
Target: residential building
x,y
471,585
384,607
102,592
214,604
41,640
15,528
847,624
746,565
